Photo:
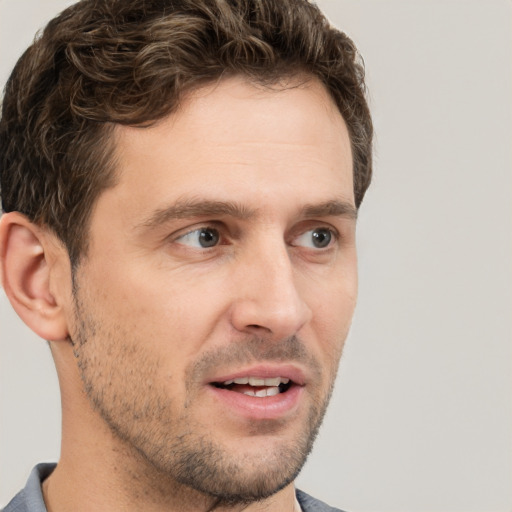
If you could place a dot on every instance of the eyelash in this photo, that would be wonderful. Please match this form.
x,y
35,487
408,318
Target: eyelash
x,y
199,229
333,237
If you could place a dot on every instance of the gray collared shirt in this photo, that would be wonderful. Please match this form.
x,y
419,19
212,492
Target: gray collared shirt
x,y
30,499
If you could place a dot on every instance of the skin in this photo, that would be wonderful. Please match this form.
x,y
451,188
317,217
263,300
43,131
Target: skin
x,y
151,317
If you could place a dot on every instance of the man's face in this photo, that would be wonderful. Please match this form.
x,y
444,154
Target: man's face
x,y
219,286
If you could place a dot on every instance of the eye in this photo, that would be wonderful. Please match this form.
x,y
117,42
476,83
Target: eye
x,y
200,238
318,238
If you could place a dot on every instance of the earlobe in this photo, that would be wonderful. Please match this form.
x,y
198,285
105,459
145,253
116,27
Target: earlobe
x,y
26,259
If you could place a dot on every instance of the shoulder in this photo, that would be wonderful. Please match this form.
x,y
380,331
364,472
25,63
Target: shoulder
x,y
30,498
310,504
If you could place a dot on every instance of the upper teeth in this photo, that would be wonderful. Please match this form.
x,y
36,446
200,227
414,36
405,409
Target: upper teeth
x,y
257,381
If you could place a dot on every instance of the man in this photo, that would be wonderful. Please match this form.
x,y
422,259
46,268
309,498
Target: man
x,y
180,182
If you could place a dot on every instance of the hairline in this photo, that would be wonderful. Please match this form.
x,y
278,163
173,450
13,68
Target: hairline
x,y
289,79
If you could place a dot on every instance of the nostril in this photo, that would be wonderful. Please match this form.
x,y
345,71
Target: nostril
x,y
256,327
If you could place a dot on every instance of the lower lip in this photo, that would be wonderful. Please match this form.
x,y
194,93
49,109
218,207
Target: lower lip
x,y
256,408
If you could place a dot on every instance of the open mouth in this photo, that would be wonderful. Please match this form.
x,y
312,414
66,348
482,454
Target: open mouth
x,y
256,386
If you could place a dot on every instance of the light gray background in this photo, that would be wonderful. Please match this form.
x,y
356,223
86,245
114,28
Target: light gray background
x,y
422,417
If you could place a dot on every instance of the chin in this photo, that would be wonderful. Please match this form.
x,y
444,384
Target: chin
x,y
246,477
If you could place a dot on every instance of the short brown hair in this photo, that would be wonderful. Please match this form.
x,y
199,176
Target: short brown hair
x,y
102,62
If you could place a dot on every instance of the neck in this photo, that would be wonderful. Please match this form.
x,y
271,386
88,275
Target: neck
x,y
63,492
98,471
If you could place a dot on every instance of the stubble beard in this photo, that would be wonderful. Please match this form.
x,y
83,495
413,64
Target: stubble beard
x,y
118,381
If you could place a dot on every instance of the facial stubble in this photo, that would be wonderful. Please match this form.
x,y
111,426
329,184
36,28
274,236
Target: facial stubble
x,y
118,375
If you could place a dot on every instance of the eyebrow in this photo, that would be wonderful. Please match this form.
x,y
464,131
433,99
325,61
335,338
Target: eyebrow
x,y
190,208
186,209
335,208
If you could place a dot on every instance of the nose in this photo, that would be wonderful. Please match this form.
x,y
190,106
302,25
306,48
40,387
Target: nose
x,y
267,301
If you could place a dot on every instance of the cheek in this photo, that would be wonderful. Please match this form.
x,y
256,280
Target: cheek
x,y
333,307
333,292
166,313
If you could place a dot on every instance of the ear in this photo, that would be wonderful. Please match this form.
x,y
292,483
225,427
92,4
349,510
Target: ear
x,y
29,257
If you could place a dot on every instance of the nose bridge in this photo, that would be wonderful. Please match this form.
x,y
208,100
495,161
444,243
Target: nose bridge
x,y
269,299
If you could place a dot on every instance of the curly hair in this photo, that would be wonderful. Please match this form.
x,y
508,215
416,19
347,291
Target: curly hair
x,y
130,62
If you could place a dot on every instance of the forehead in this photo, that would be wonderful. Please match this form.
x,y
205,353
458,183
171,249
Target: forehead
x,y
237,138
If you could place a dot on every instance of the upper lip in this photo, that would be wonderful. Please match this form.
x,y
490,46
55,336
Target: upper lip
x,y
265,371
